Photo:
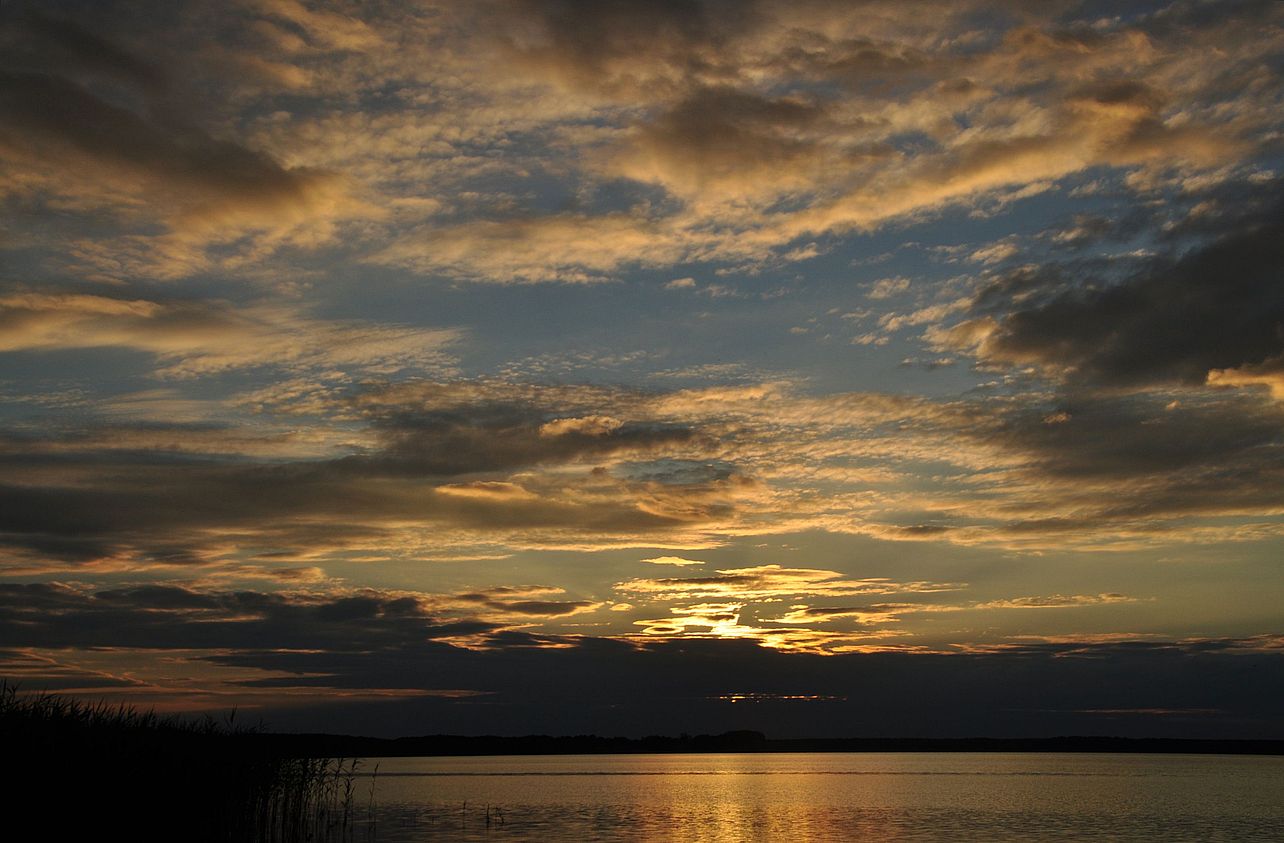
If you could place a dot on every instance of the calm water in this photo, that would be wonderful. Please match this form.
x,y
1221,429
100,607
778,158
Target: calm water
x,y
831,797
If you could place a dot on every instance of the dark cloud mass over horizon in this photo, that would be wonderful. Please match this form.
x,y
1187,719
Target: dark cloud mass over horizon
x,y
635,367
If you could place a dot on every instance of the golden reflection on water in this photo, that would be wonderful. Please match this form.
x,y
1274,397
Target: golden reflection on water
x,y
834,796
737,797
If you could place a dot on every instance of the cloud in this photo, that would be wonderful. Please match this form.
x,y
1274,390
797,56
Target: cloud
x,y
689,132
411,471
874,614
205,454
1268,373
35,39
885,288
178,617
762,129
833,630
722,621
330,29
588,425
91,126
1031,471
995,252
726,142
765,582
176,511
173,617
1141,439
1106,470
622,48
206,183
568,248
1057,601
672,560
1032,690
486,490
419,470
194,337
477,435
1201,317
522,602
304,660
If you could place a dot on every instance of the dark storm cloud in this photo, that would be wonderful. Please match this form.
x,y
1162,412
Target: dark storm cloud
x,y
151,493
1131,343
160,513
54,119
1089,436
1218,307
469,464
43,43
496,435
50,615
509,599
1112,467
1184,15
1200,216
153,509
725,126
622,46
863,62
534,683
92,122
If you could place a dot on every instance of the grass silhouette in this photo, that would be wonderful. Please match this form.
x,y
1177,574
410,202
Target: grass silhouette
x,y
89,770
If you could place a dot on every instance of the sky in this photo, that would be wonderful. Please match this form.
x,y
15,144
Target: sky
x,y
647,366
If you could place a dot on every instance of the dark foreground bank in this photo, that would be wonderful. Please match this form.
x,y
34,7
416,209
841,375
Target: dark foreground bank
x,y
322,745
86,771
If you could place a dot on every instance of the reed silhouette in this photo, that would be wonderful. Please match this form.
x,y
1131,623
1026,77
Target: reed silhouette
x,y
87,771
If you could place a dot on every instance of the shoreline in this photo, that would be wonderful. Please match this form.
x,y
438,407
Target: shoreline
x,y
326,745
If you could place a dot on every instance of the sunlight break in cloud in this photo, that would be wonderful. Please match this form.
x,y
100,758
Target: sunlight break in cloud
x,y
672,560
771,581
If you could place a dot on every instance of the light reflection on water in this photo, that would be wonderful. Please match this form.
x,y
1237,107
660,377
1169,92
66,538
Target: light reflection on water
x,y
831,796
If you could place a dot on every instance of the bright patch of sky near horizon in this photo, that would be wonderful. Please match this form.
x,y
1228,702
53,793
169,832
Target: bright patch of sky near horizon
x,y
836,327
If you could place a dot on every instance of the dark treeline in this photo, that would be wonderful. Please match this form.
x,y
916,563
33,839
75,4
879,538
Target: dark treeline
x,y
741,741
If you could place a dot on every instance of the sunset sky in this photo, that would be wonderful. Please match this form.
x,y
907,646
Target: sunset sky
x,y
647,365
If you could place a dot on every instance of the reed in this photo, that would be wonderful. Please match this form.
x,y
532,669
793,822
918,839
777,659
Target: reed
x,y
114,769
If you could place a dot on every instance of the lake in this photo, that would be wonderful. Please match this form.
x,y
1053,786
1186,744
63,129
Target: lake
x,y
829,797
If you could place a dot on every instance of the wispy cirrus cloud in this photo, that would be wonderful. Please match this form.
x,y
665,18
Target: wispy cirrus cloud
x,y
199,337
771,581
1056,601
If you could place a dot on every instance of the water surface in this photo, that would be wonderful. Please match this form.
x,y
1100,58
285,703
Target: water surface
x,y
831,796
